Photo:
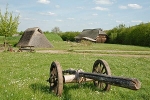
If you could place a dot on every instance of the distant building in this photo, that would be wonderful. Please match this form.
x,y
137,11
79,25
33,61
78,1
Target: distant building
x,y
94,35
34,37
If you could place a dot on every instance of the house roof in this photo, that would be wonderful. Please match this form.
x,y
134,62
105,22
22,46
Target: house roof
x,y
90,33
34,37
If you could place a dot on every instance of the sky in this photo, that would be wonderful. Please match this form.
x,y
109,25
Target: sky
x,y
76,15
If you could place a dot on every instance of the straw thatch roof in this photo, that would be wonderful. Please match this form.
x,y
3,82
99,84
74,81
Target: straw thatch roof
x,y
91,35
34,37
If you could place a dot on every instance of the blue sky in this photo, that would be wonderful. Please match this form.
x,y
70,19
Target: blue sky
x,y
76,15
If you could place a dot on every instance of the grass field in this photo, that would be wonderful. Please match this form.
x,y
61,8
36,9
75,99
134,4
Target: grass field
x,y
23,74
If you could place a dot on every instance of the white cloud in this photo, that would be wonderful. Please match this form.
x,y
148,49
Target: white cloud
x,y
45,20
103,2
44,1
80,7
95,14
90,23
136,21
17,11
134,6
123,7
48,13
101,8
118,21
28,18
70,18
59,20
110,15
57,6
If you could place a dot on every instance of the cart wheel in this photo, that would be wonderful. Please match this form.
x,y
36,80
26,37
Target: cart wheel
x,y
101,67
56,78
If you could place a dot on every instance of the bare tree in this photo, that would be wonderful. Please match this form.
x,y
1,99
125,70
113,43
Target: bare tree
x,y
56,30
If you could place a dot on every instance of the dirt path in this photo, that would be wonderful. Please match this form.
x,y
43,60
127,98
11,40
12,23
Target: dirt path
x,y
52,51
105,52
100,52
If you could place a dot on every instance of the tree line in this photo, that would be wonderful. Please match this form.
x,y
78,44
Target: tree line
x,y
134,35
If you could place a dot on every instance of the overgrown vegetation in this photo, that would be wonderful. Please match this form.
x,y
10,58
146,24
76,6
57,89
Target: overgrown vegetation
x,y
68,36
135,35
11,40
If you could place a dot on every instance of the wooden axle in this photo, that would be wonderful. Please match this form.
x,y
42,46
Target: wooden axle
x,y
73,79
101,77
130,83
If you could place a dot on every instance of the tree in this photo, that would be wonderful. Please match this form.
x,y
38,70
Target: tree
x,y
56,30
8,24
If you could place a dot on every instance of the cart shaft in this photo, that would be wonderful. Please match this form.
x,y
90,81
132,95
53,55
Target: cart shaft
x,y
130,83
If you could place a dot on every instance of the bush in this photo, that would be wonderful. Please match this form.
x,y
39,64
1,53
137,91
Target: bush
x,y
135,35
68,36
11,40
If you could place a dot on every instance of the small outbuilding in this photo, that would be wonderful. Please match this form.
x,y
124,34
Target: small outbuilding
x,y
93,35
34,37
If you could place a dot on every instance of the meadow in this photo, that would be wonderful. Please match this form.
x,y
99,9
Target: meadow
x,y
23,75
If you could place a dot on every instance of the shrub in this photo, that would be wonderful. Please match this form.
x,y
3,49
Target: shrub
x,y
135,35
68,36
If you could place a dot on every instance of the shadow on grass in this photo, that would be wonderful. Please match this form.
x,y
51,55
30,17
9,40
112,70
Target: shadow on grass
x,y
67,95
91,86
38,87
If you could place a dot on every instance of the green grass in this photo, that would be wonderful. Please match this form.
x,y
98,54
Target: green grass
x,y
96,46
11,40
23,75
53,37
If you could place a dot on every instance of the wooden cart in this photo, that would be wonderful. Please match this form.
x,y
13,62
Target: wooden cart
x,y
101,77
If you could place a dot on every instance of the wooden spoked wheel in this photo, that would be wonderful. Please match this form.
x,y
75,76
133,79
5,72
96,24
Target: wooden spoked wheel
x,y
101,67
56,78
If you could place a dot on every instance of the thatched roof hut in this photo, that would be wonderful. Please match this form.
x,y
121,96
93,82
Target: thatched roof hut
x,y
94,35
34,37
